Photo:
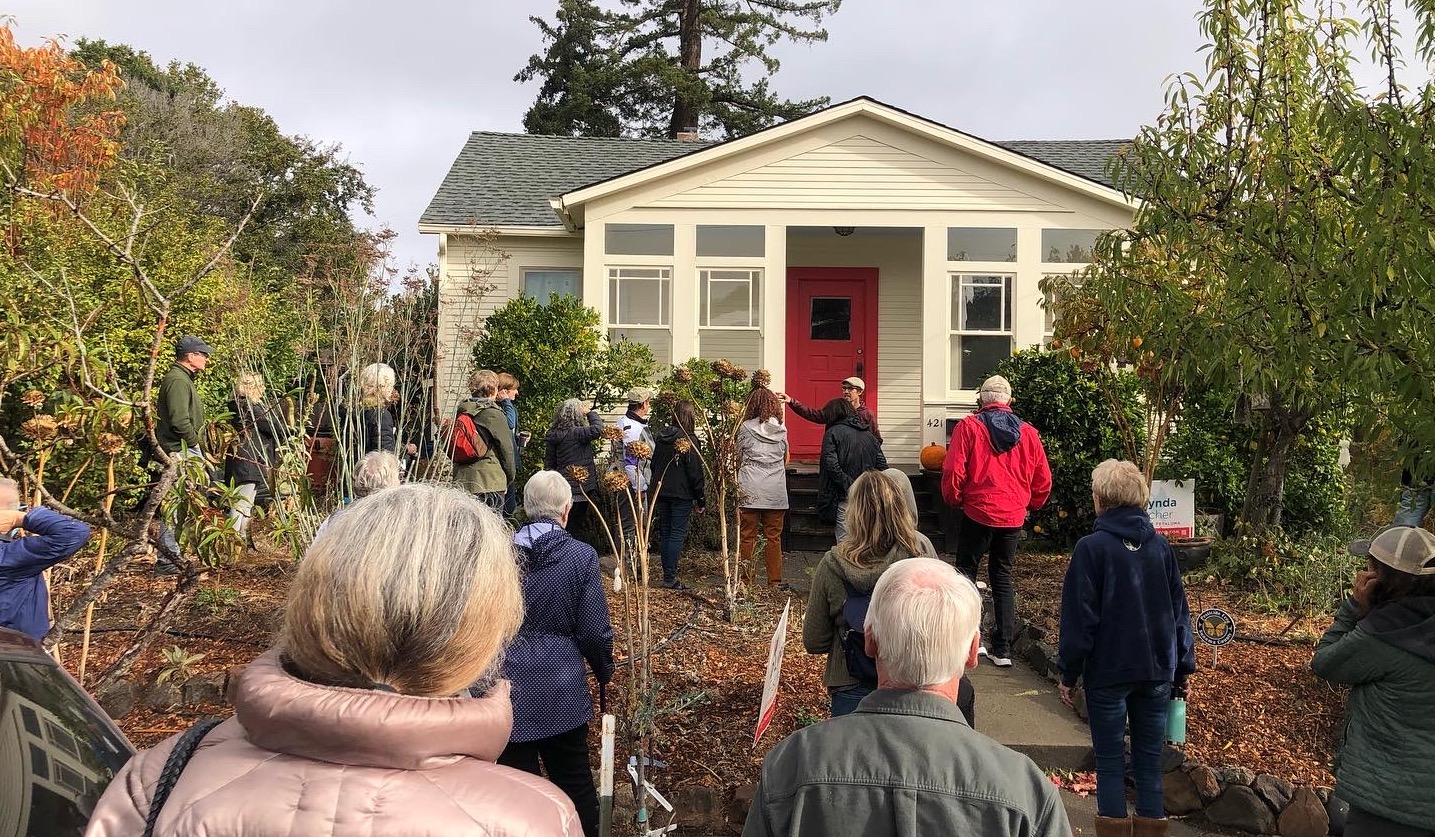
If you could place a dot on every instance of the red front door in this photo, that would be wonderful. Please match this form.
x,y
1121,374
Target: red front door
x,y
831,335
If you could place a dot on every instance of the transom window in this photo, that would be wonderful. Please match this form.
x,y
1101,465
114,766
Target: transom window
x,y
981,244
638,239
1068,246
981,327
731,240
730,298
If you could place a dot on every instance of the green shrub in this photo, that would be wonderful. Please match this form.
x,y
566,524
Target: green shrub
x,y
1285,575
1074,417
557,351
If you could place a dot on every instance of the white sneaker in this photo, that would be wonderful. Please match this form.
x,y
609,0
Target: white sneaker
x,y
981,650
1001,662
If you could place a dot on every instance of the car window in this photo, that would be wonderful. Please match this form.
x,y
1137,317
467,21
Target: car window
x,y
57,753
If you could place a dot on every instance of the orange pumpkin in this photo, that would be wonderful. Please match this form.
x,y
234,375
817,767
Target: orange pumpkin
x,y
933,456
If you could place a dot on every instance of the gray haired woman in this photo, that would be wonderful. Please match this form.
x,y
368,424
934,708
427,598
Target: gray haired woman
x,y
361,721
568,449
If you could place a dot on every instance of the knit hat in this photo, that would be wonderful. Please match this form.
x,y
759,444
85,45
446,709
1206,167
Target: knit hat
x,y
1408,549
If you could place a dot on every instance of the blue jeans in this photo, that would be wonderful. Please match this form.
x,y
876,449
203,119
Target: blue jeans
x,y
1146,705
1414,505
845,699
671,521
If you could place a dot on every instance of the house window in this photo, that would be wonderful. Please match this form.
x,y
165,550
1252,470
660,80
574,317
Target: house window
x,y
729,298
981,244
981,327
39,763
30,720
638,305
638,239
545,283
746,241
1068,246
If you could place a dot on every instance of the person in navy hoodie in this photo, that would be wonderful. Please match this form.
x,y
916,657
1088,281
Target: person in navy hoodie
x,y
50,538
1126,633
565,623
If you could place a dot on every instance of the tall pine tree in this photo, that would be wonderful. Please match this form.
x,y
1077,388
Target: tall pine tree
x,y
658,67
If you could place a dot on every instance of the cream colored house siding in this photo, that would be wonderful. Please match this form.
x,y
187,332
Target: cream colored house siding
x,y
858,171
478,275
897,256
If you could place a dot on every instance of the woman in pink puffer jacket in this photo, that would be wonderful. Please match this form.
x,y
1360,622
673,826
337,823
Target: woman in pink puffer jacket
x,y
359,722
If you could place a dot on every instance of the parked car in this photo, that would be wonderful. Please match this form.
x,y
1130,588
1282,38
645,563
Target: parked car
x,y
58,749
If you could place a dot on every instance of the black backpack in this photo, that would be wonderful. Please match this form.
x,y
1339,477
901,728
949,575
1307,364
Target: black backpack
x,y
854,639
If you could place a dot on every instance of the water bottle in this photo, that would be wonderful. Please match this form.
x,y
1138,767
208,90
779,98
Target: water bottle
x,y
1176,721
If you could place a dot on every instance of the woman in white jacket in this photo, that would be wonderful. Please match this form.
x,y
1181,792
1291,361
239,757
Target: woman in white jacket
x,y
762,483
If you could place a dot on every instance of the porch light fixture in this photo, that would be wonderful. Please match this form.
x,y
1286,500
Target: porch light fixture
x,y
844,231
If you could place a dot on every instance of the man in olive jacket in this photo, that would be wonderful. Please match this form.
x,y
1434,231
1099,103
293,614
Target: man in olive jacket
x,y
179,425
906,764
490,476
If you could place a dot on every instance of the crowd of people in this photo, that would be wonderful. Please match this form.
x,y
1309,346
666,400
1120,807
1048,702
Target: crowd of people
x,y
438,659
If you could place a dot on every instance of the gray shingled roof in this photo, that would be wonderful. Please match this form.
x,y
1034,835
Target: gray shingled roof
x,y
504,180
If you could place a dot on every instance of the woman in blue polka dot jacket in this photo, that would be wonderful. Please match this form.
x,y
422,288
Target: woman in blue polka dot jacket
x,y
565,624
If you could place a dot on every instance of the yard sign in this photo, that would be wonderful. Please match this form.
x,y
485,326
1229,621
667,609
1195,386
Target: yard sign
x,y
1173,507
775,650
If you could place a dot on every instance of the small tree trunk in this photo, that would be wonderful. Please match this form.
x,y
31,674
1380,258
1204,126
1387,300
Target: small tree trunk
x,y
690,57
1265,487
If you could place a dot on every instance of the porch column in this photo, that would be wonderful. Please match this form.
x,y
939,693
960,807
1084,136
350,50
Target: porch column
x,y
684,299
936,316
774,305
595,277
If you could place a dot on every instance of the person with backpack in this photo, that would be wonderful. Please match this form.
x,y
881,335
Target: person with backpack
x,y
881,532
848,450
481,444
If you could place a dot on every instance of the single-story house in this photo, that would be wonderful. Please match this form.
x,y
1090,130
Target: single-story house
x,y
859,240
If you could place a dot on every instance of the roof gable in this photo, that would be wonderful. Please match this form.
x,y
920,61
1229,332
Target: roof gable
x,y
515,180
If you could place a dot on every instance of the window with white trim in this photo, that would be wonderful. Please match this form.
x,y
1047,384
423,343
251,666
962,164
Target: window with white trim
x,y
544,283
730,298
639,305
981,327
1068,246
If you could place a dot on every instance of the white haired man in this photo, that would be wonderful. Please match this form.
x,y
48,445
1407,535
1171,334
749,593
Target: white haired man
x,y
994,474
906,763
50,537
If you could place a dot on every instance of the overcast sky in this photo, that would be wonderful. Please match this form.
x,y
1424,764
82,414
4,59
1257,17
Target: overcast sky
x,y
401,84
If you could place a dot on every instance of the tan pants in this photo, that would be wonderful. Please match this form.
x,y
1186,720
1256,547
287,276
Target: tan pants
x,y
770,521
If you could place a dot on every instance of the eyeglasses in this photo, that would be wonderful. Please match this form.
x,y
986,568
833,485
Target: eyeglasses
x,y
848,388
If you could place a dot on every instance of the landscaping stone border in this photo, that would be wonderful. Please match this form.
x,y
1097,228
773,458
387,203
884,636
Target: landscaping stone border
x,y
1228,796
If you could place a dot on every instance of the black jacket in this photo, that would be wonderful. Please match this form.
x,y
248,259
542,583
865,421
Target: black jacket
x,y
849,450
256,452
376,430
681,474
574,446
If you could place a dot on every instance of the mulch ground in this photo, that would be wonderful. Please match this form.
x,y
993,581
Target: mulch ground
x,y
1259,706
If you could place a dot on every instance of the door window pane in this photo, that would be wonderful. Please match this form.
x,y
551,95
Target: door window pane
x,y
831,318
638,239
1068,245
974,357
543,285
731,241
981,244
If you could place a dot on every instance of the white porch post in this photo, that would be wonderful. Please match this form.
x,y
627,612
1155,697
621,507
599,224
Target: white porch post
x,y
1029,318
595,277
684,316
936,312
774,305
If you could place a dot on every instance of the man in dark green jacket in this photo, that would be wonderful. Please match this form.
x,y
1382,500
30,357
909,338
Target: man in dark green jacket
x,y
179,426
906,763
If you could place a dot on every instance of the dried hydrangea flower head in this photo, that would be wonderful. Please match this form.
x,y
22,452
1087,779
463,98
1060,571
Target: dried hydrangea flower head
x,y
578,474
638,449
41,428
615,481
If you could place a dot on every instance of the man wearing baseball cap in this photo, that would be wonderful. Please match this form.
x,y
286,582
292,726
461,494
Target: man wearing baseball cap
x,y
179,423
994,473
1382,645
852,390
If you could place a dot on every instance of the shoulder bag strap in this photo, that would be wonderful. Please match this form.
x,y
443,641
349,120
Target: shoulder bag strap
x,y
173,766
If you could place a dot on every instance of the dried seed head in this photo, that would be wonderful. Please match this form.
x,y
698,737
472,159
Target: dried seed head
x,y
668,399
615,481
34,399
683,446
683,374
738,374
761,379
639,449
715,385
723,367
70,421
41,428
110,443
733,409
613,433
578,474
